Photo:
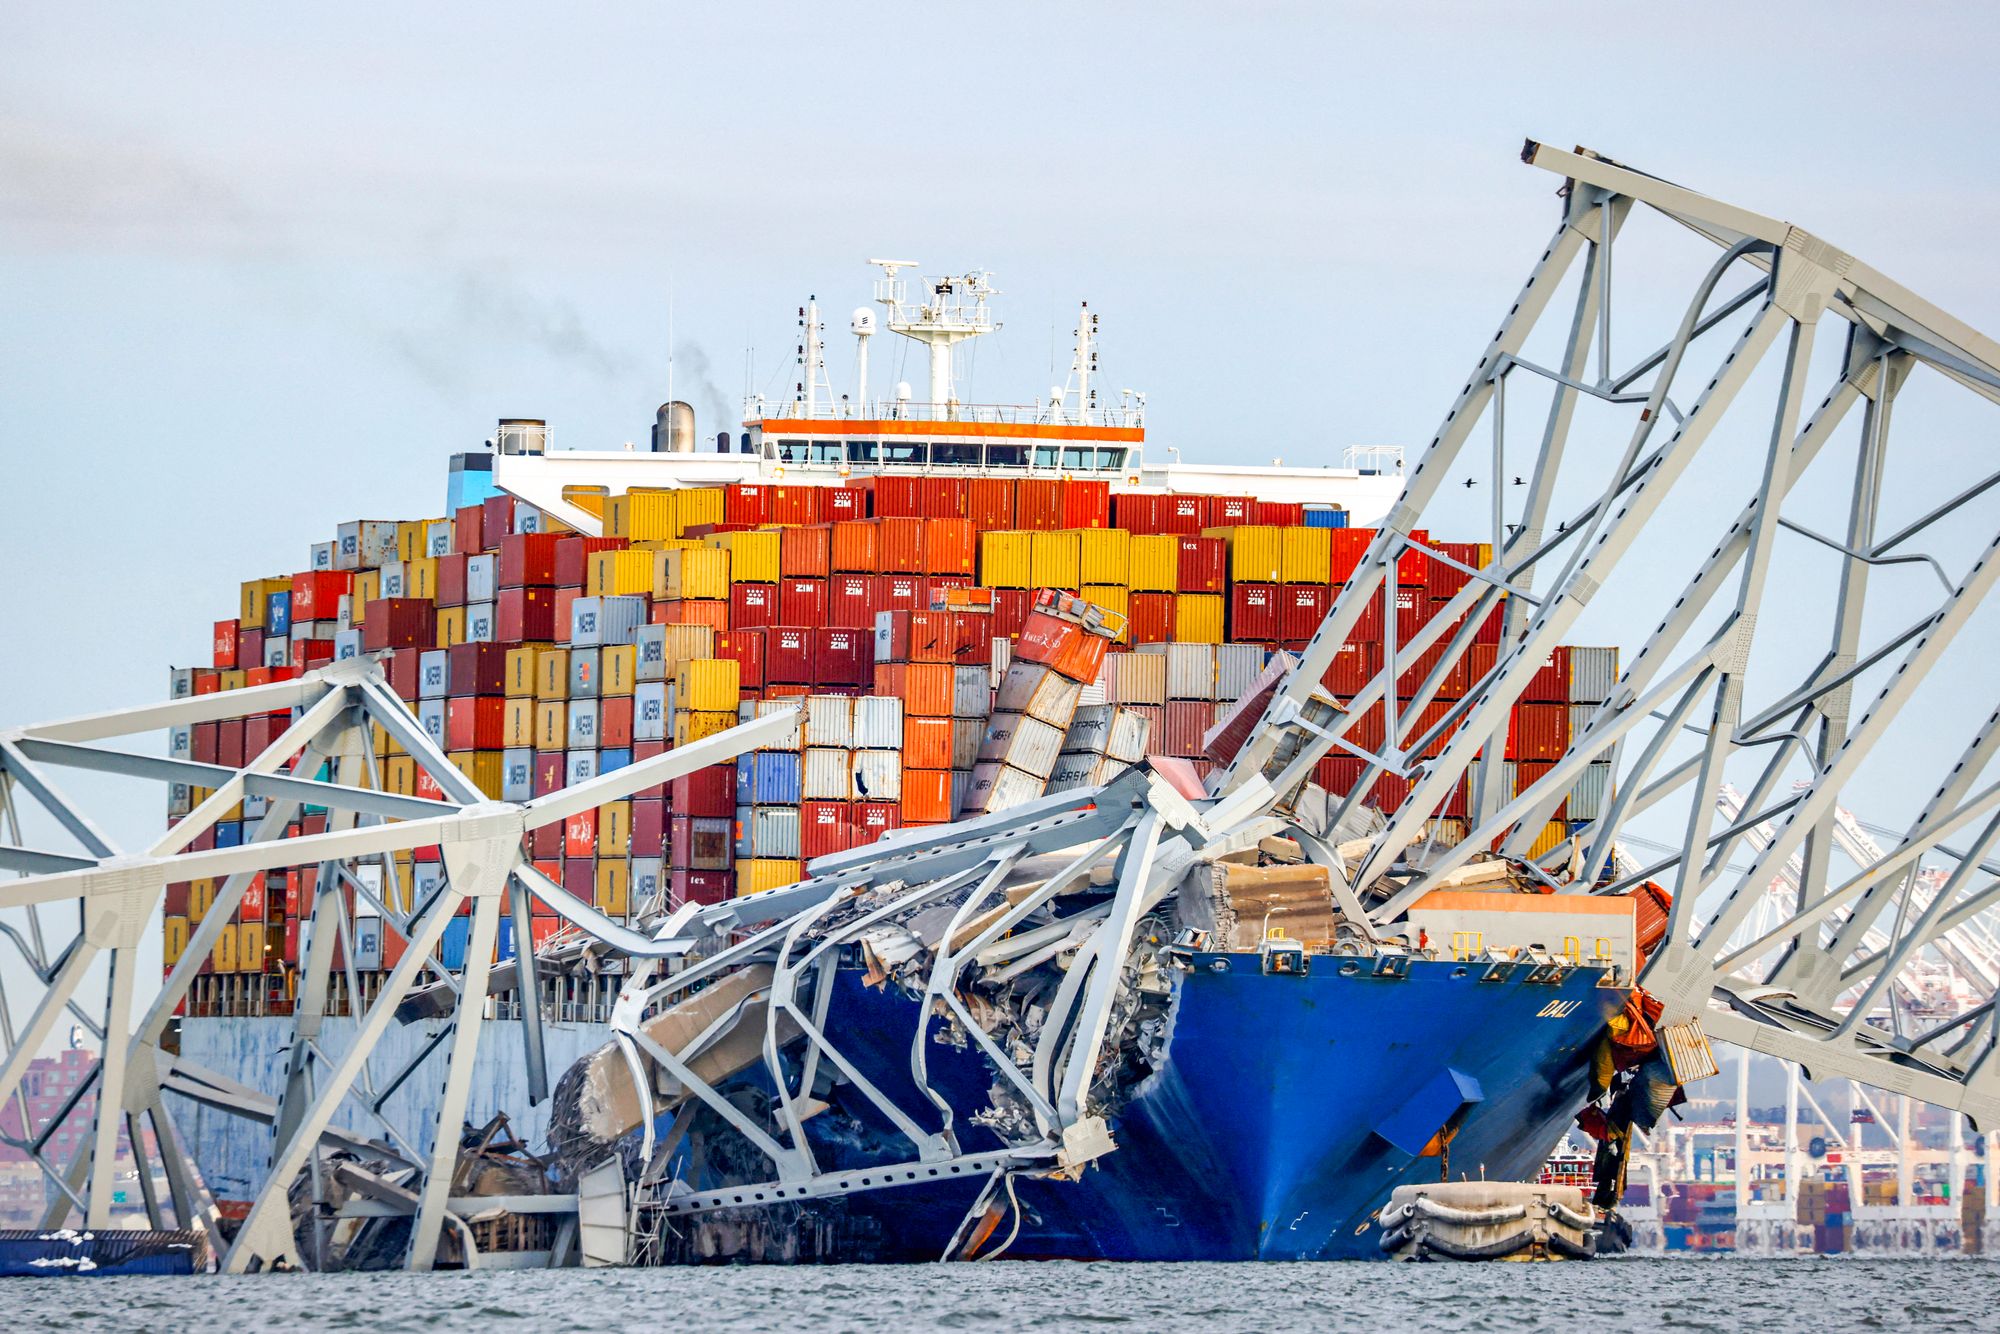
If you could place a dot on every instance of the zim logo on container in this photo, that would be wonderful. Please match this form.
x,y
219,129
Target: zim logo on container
x,y
1559,1009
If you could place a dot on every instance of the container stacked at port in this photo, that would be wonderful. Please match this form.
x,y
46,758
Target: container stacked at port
x,y
1061,649
934,664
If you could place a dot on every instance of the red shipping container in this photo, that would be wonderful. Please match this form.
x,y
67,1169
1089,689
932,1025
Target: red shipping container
x,y
805,553
614,722
1010,611
899,545
475,722
989,503
549,766
1253,614
753,606
468,530
1231,511
711,612
1301,607
252,906
897,496
746,503
565,603
872,819
649,750
1538,732
788,655
926,796
1063,645
1413,567
1527,773
477,669
701,886
1150,618
649,827
1182,514
949,547
1038,504
1203,565
825,827
207,683
802,602
1086,503
850,601
1550,685
528,560
1280,513
794,504
1413,610
526,615
843,657
497,518
842,502
580,834
916,636
944,498
579,877
1349,545
855,547
747,648
573,553
404,665
1445,580
250,648
227,641
427,787
316,594
399,623
1182,726
899,592
1355,663
708,793
926,743
450,583
1136,511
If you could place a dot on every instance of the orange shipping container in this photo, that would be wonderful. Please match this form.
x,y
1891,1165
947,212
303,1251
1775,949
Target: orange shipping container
x,y
805,553
924,687
926,744
899,546
926,796
711,612
854,546
948,546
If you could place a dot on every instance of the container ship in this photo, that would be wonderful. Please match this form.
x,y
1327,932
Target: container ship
x,y
894,563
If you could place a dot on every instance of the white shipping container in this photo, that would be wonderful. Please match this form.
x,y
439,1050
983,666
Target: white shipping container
x,y
433,674
878,775
830,721
1004,789
1040,692
430,713
1137,678
517,774
580,767
1591,796
278,652
395,580
878,722
652,644
793,740
1003,653
961,791
826,775
346,644
967,735
1099,690
367,941
1073,770
1593,674
1190,671
480,625
582,724
1089,728
971,692
322,555
1125,740
649,711
482,578
648,886
437,538
1237,667
1025,743
774,831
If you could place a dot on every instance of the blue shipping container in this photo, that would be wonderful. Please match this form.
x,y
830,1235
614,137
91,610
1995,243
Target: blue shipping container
x,y
1325,516
278,614
451,949
767,778
228,833
506,943
616,758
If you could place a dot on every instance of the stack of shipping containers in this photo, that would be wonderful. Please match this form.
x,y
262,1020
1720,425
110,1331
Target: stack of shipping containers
x,y
896,608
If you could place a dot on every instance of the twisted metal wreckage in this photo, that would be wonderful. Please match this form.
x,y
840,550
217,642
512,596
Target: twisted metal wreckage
x,y
999,888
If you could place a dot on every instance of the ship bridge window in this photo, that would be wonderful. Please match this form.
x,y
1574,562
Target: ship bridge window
x,y
861,451
1006,456
1048,456
955,455
828,451
792,451
909,453
1074,458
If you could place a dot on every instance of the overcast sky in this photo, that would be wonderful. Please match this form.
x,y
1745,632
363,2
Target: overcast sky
x,y
262,269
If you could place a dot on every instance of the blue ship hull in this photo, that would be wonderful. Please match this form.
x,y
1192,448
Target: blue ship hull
x,y
45,1253
1278,1117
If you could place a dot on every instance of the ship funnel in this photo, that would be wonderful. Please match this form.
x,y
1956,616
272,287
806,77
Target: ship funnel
x,y
673,428
522,435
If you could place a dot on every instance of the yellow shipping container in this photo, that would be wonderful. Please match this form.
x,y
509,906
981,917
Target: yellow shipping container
x,y
552,674
643,514
692,572
1005,559
551,727
254,606
1198,618
1055,560
521,670
1154,563
1256,552
450,626
233,679
698,504
250,939
619,574
709,685
367,588
1552,835
201,897
517,722
690,727
412,535
756,874
684,642
614,829
174,942
618,669
753,556
1305,555
1111,597
223,958
1104,555
420,578
482,767
399,775
614,886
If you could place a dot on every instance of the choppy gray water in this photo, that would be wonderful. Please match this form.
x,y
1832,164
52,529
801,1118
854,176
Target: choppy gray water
x,y
1607,1295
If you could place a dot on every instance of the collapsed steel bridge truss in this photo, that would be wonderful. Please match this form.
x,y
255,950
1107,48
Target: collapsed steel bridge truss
x,y
1687,714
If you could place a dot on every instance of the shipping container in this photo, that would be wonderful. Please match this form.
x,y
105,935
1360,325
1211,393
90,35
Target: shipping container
x,y
1201,564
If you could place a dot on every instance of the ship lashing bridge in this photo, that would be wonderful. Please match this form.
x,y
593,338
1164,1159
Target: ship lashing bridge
x,y
1701,702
